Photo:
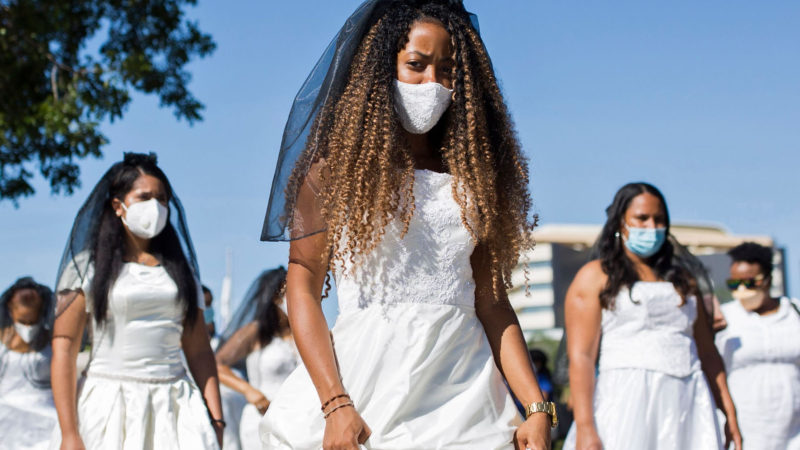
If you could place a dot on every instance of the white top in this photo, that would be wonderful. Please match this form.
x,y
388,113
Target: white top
x,y
142,336
650,329
268,366
27,412
435,254
762,357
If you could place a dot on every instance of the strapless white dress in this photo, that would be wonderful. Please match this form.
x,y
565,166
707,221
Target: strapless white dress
x,y
137,393
267,369
27,412
651,392
412,354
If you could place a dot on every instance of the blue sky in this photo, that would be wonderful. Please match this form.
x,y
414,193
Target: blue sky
x,y
700,98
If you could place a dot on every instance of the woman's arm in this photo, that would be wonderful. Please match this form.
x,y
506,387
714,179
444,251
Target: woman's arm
x,y
234,350
67,334
510,351
200,359
344,428
583,313
714,370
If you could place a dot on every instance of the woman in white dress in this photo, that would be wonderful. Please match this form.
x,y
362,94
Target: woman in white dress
x,y
27,413
129,270
637,308
761,350
401,173
258,335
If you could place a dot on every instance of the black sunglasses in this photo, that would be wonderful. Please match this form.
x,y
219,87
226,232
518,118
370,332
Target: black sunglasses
x,y
749,283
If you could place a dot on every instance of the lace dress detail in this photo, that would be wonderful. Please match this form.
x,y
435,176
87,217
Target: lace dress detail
x,y
434,254
411,351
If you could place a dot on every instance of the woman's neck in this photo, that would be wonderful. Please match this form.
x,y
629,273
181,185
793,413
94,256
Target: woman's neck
x,y
423,153
137,250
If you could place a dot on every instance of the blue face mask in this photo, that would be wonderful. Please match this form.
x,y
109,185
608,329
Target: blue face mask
x,y
645,242
208,315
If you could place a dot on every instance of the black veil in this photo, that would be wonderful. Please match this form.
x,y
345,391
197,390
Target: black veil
x,y
76,262
257,304
323,85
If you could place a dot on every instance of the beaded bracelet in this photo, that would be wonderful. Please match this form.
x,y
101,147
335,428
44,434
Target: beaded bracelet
x,y
337,407
325,405
219,421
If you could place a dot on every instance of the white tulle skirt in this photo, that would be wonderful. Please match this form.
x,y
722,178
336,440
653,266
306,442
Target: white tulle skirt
x,y
643,409
422,376
116,414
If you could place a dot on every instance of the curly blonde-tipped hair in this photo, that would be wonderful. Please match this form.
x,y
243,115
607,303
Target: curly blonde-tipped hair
x,y
365,170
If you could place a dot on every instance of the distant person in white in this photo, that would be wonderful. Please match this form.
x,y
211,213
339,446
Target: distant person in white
x,y
27,413
761,349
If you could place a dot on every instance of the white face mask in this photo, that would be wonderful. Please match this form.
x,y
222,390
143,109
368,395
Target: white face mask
x,y
27,332
751,299
145,219
420,106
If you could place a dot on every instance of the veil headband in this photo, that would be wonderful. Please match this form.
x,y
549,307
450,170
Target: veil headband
x,y
323,85
76,261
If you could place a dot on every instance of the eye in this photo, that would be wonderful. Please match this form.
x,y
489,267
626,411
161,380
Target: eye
x,y
415,64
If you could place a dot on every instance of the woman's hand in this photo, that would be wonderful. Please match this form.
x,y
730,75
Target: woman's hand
x,y
257,399
345,430
587,439
534,433
732,434
72,442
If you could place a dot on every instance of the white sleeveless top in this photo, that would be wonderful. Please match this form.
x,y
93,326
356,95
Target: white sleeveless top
x,y
429,265
268,366
650,330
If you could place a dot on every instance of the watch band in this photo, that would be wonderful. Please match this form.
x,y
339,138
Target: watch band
x,y
543,407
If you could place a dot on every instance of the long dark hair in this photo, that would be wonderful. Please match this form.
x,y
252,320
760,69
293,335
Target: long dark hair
x,y
107,253
270,286
610,249
367,181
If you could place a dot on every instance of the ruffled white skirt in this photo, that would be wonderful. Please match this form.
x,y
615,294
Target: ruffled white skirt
x,y
643,409
422,376
116,414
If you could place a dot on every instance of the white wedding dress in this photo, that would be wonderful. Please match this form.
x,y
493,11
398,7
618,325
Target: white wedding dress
x,y
651,392
137,394
412,354
267,369
27,413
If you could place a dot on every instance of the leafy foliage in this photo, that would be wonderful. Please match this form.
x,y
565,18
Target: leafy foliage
x,y
57,85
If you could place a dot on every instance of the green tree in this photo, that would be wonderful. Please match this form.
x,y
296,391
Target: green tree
x,y
68,65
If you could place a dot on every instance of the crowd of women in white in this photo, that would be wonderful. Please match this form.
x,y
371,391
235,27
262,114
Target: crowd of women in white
x,y
401,174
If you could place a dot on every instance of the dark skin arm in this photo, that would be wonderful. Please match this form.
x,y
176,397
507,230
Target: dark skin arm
x,y
714,370
344,429
200,359
67,334
235,349
583,315
510,352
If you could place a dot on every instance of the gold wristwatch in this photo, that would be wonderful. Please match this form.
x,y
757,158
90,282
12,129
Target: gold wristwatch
x,y
545,407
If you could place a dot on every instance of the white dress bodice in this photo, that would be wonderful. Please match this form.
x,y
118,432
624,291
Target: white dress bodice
x,y
142,336
27,412
434,253
648,328
268,366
